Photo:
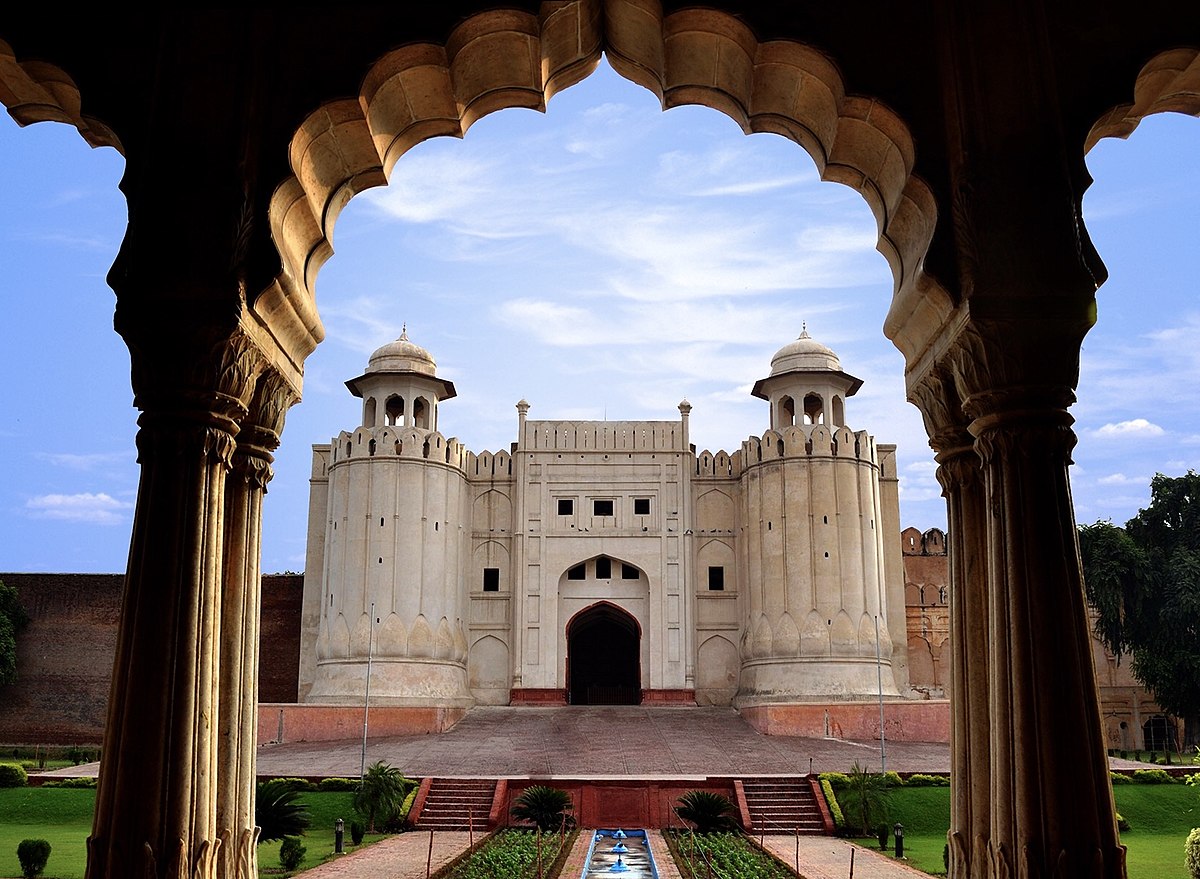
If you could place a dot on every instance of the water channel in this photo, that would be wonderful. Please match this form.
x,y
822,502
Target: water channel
x,y
624,853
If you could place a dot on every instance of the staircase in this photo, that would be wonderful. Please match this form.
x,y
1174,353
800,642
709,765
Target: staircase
x,y
451,800
782,805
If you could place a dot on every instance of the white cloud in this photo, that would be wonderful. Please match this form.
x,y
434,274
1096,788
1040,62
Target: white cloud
x,y
1133,427
86,462
95,509
1118,479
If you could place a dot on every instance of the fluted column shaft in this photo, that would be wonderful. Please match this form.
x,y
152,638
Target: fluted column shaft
x,y
157,799
1052,809
240,617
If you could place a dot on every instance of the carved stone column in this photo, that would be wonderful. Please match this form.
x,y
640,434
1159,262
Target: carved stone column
x,y
240,614
156,803
962,485
1052,806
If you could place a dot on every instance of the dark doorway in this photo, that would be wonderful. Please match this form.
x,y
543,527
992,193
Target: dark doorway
x,y
604,657
1158,734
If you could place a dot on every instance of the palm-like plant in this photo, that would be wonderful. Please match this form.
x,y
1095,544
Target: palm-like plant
x,y
864,800
381,793
278,811
709,812
546,807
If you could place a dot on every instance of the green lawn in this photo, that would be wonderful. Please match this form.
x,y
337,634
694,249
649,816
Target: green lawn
x,y
63,817
1160,818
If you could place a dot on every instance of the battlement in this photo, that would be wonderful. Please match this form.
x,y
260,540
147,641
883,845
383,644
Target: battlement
x,y
591,436
410,442
810,441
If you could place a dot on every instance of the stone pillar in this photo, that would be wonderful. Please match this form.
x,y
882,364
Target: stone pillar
x,y
240,612
970,747
157,800
1052,809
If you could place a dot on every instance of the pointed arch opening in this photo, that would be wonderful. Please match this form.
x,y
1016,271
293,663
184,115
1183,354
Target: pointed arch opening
x,y
604,649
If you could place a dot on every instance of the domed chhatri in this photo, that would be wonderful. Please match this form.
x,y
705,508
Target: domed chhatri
x,y
402,355
400,387
806,385
804,354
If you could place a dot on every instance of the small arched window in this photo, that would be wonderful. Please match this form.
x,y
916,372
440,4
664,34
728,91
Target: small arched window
x,y
787,412
814,409
420,413
395,411
369,412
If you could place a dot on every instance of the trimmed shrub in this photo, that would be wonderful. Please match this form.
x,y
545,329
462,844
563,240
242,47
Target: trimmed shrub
x,y
33,855
407,805
1152,776
337,784
920,780
12,775
301,785
1122,822
71,782
356,832
291,852
837,780
1119,778
835,811
1191,853
893,779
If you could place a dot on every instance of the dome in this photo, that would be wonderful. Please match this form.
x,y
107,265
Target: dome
x,y
402,355
805,354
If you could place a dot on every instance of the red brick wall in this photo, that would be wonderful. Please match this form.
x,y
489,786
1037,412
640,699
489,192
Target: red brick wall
x,y
279,638
64,658
65,654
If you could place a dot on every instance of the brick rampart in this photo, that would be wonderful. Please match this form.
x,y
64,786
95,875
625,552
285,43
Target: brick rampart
x,y
65,654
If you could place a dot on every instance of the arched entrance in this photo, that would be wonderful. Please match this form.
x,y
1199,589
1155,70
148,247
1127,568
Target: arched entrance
x,y
604,657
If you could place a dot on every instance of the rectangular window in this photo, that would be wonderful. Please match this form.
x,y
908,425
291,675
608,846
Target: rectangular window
x,y
602,508
641,506
603,568
566,506
629,572
716,578
491,579
579,572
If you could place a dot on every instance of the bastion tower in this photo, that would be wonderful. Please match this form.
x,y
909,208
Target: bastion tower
x,y
390,558
817,505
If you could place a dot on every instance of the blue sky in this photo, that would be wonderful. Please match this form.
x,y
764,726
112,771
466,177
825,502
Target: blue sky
x,y
605,259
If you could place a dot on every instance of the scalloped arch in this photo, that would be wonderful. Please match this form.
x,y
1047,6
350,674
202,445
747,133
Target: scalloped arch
x,y
1168,83
509,58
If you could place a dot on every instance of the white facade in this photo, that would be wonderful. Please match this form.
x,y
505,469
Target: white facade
x,y
603,561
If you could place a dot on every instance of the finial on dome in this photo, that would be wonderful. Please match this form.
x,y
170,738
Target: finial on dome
x,y
403,332
804,330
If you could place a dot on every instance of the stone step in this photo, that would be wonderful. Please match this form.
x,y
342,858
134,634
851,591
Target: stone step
x,y
457,804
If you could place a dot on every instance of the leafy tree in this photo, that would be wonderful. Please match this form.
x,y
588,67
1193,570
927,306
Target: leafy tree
x,y
710,812
547,807
1144,582
864,801
278,810
381,794
12,620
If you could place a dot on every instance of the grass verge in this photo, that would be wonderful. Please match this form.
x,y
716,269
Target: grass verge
x,y
1160,816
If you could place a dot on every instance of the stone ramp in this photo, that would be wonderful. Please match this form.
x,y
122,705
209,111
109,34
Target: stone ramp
x,y
598,741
